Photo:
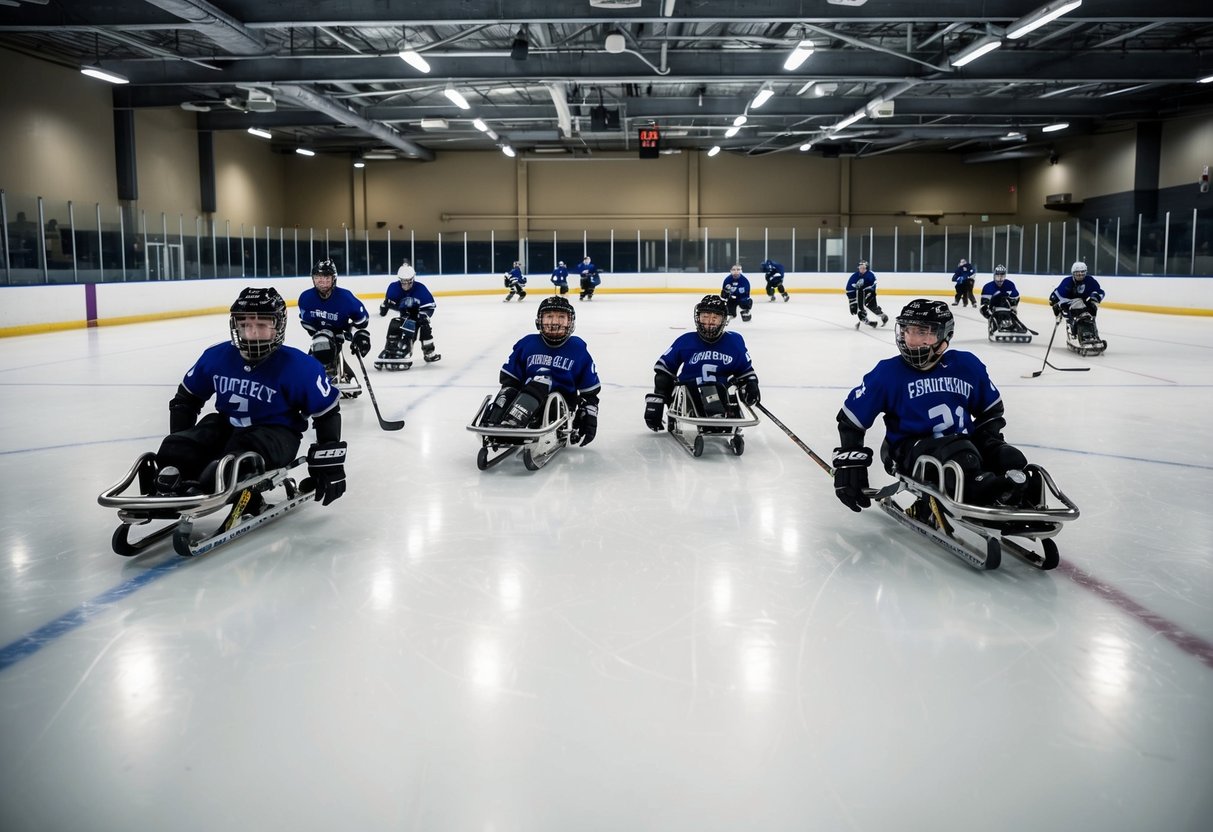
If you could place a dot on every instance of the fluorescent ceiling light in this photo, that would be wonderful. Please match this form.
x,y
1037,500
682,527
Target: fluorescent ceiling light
x,y
808,85
457,98
715,149
104,75
732,131
825,89
1014,134
740,120
978,48
258,132
413,58
1045,14
508,151
798,55
491,134
762,98
806,146
1053,128
847,122
379,156
480,125
303,151
359,164
1206,80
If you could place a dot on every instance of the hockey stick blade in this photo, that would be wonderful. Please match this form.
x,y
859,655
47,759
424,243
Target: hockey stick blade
x,y
383,423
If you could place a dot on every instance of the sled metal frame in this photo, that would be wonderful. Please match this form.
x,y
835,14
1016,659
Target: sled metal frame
x,y
995,525
538,445
140,509
689,429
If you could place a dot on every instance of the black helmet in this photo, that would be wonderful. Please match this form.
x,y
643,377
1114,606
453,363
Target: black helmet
x,y
933,315
556,304
716,305
325,268
258,303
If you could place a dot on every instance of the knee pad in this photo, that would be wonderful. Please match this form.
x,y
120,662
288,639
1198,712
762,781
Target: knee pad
x,y
713,400
324,349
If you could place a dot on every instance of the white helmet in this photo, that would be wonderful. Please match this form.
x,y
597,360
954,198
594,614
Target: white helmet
x,y
1079,267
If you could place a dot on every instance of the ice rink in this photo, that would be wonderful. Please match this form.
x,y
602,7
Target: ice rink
x,y
629,638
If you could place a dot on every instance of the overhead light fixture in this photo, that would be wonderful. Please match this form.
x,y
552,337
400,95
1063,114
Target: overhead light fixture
x,y
806,146
457,98
979,47
508,151
104,75
1045,14
303,151
1053,128
808,85
413,58
480,125
825,89
763,97
614,43
848,121
1206,80
732,131
715,149
491,134
799,55
1014,134
740,120
261,134
380,155
520,47
359,164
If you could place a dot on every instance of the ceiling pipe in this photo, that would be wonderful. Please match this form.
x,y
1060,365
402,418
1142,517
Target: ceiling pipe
x,y
323,104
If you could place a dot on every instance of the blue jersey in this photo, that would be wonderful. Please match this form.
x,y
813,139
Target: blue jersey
x,y
1006,292
943,401
340,312
1069,289
690,359
560,276
737,288
285,389
865,279
589,271
772,269
515,275
569,366
963,273
418,296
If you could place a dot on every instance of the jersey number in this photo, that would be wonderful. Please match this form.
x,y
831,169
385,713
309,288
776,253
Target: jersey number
x,y
944,415
707,374
241,407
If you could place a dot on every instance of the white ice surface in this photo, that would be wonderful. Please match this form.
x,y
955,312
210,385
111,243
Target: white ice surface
x,y
628,639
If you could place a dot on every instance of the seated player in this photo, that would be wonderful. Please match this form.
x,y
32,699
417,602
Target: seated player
x,y
999,296
515,281
333,315
705,361
417,306
1076,297
560,277
774,276
736,293
589,278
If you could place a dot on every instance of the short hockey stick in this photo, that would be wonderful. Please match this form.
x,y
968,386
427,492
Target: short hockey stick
x,y
383,423
1054,366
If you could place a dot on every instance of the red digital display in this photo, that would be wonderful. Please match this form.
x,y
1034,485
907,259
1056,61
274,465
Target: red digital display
x,y
650,142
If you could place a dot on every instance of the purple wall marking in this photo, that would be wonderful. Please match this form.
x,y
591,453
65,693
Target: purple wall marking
x,y
90,304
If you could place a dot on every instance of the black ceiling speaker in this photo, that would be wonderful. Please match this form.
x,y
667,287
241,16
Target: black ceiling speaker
x,y
519,49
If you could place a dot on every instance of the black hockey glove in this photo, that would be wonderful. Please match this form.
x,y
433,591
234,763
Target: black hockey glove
x,y
585,424
361,342
1004,457
1056,307
749,391
653,407
851,476
385,306
326,467
985,310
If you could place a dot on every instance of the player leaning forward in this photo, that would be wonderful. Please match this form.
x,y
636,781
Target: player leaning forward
x,y
944,405
264,394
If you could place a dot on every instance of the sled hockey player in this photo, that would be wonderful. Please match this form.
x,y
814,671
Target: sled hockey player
x,y
549,393
693,378
861,296
265,393
943,411
515,281
416,306
1077,299
589,278
964,279
774,275
560,277
1000,307
736,293
333,315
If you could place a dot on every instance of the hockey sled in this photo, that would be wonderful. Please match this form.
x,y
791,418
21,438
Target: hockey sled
x,y
538,444
939,511
690,429
1083,338
1006,328
238,497
345,382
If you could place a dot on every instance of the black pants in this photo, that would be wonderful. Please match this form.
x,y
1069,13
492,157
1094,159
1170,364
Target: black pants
x,y
192,449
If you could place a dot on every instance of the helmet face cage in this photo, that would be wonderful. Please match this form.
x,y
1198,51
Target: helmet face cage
x,y
1000,274
325,268
406,281
258,303
1079,270
715,305
560,335
863,264
932,315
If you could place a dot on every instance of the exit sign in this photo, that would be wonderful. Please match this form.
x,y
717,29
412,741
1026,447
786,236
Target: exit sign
x,y
650,142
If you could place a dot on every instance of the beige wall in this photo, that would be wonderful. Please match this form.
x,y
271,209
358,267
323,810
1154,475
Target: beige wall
x,y
166,161
1088,166
1187,148
250,181
885,186
416,195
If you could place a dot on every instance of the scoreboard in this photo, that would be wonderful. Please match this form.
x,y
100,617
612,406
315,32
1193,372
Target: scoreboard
x,y
650,142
